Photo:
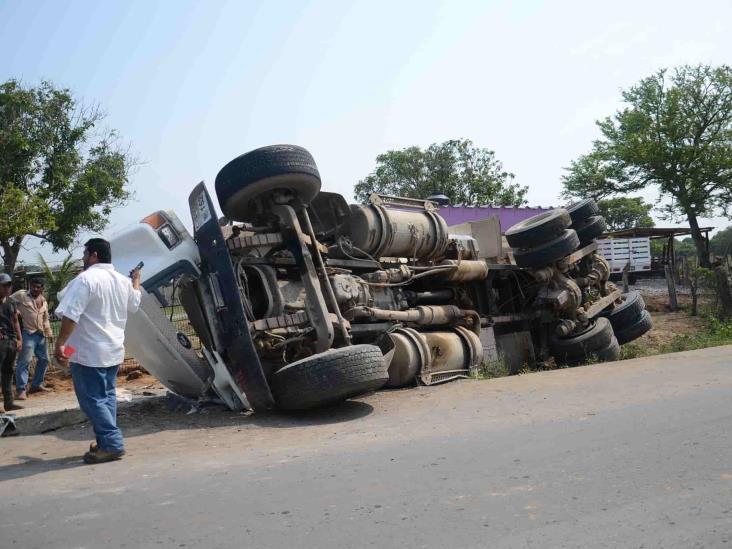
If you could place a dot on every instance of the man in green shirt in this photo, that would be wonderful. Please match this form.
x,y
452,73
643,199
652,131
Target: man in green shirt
x,y
11,342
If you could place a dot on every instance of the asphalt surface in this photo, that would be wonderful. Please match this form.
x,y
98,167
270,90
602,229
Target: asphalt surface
x,y
631,454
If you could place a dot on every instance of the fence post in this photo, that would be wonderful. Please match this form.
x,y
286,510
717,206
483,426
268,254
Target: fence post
x,y
723,290
694,286
687,272
625,277
673,304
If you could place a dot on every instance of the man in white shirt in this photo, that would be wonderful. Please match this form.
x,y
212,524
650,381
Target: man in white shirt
x,y
93,313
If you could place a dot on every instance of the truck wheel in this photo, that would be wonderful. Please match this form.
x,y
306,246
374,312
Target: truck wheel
x,y
628,312
576,348
583,209
607,354
634,331
538,229
549,252
589,229
328,377
277,167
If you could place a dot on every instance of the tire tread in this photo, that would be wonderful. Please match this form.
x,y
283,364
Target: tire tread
x,y
329,377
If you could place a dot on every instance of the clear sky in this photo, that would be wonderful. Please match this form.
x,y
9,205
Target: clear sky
x,y
191,85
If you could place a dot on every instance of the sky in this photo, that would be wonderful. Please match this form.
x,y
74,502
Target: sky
x,y
191,85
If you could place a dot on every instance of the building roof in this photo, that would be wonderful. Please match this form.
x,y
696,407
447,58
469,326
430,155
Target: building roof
x,y
654,232
508,216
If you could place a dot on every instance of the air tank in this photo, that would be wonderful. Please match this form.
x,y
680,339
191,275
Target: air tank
x,y
388,232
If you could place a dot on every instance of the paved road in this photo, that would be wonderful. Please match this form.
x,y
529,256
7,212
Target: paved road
x,y
632,454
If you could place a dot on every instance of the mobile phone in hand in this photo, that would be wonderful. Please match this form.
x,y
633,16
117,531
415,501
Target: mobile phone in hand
x,y
139,266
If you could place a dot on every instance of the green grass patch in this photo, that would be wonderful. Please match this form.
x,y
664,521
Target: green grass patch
x,y
635,350
717,332
490,369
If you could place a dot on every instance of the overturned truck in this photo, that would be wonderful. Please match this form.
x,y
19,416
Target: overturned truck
x,y
297,299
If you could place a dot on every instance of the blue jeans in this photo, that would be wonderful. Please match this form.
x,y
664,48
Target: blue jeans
x,y
95,390
34,343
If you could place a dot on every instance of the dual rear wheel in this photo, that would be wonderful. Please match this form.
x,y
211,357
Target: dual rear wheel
x,y
550,236
542,239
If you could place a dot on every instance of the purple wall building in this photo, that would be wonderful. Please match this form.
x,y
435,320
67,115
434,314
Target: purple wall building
x,y
454,215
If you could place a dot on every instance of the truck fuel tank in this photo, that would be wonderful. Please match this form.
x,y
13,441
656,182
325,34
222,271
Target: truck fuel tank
x,y
387,232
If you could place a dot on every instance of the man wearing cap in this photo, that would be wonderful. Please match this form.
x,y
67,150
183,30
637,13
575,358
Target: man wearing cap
x,y
33,310
11,342
93,313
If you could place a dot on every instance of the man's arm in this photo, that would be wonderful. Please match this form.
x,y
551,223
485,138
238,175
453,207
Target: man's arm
x,y
67,327
47,322
133,302
18,333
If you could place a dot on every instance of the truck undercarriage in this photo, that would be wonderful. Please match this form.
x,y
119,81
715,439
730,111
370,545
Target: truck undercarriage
x,y
299,299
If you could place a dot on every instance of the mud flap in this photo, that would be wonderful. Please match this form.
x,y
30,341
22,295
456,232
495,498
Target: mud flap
x,y
237,348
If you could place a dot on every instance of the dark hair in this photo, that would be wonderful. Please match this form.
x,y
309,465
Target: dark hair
x,y
101,247
38,280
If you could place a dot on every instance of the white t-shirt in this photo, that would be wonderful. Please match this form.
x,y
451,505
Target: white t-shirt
x,y
98,300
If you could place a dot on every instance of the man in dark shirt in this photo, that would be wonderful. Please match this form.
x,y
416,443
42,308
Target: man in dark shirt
x,y
10,341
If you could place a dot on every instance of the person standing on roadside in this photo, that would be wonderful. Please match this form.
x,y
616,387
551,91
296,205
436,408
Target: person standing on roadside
x,y
11,341
33,310
93,312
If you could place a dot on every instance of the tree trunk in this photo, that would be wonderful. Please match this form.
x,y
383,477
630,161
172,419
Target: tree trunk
x,y
724,292
673,302
699,242
10,254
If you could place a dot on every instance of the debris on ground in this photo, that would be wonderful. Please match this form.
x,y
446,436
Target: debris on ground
x,y
134,374
7,426
123,395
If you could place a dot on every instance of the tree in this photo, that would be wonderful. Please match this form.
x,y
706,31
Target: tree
x,y
685,247
721,243
60,174
57,279
626,213
675,133
465,173
682,248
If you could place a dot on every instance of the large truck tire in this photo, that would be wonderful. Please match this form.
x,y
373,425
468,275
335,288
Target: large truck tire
x,y
634,331
329,377
538,229
589,229
549,252
264,170
628,312
577,348
610,353
579,211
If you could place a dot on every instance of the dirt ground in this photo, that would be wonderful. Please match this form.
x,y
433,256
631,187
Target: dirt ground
x,y
59,381
668,325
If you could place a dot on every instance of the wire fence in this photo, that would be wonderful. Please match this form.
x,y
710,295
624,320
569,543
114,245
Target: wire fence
x,y
173,310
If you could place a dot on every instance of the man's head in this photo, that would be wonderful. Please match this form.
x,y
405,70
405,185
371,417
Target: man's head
x,y
96,250
36,286
6,285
